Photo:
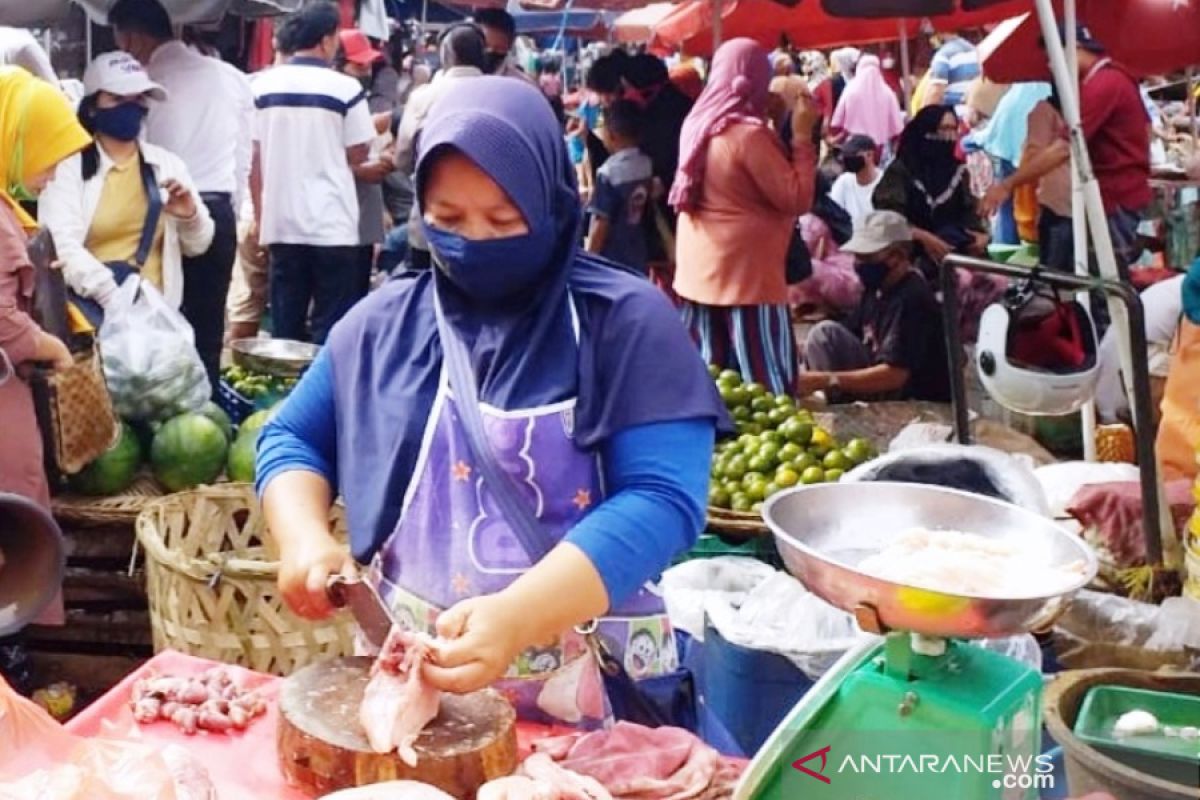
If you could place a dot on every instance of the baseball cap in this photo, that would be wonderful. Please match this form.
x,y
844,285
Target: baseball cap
x,y
878,231
1083,37
357,47
121,74
858,144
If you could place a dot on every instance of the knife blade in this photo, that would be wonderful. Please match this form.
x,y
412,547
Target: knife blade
x,y
361,597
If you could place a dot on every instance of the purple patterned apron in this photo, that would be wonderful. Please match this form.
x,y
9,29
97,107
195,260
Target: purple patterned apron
x,y
452,543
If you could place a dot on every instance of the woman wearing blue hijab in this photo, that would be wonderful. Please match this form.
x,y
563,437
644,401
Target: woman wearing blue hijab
x,y
592,398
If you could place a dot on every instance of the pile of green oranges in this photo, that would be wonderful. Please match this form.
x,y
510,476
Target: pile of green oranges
x,y
777,447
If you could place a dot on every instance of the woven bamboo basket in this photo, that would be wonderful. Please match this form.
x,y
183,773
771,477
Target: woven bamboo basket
x,y
118,509
211,567
736,524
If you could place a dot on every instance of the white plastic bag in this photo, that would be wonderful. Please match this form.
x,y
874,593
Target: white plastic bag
x,y
968,467
781,616
754,605
685,588
39,759
151,365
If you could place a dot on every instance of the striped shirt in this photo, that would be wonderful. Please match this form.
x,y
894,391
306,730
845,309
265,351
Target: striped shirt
x,y
956,64
306,117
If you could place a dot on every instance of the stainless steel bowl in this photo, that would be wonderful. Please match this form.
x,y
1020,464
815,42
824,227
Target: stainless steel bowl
x,y
823,532
284,358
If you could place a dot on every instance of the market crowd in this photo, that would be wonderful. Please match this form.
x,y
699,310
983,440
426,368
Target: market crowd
x,y
763,193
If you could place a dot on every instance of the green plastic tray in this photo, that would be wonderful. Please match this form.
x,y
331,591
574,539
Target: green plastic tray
x,y
1169,757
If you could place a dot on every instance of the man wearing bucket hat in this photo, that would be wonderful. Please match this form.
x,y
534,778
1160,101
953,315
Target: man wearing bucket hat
x,y
892,347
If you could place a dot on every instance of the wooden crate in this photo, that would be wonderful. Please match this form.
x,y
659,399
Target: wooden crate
x,y
107,633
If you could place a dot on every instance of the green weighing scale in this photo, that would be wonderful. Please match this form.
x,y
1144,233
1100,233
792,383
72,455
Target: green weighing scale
x,y
920,714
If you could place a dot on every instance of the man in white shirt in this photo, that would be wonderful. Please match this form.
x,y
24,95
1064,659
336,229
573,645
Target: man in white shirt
x,y
855,187
207,123
19,48
312,128
461,49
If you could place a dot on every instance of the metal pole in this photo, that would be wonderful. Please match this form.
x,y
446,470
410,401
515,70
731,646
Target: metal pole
x,y
905,65
1191,93
1079,227
717,7
1118,293
1105,257
424,18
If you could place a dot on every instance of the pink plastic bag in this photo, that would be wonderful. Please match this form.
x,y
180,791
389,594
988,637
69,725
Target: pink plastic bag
x,y
39,759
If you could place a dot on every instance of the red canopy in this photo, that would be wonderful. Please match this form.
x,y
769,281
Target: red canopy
x,y
807,25
1147,36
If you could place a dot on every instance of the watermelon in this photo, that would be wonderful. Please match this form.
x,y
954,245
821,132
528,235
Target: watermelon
x,y
218,415
240,466
113,471
188,450
252,424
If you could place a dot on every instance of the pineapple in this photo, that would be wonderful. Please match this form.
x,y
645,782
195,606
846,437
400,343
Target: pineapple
x,y
1114,443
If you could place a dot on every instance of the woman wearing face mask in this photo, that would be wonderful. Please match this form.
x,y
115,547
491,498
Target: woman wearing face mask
x,y
928,183
123,206
517,345
37,131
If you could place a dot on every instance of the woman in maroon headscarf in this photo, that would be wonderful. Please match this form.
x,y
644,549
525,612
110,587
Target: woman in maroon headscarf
x,y
739,193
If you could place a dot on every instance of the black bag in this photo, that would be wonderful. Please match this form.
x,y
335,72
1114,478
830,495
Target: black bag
x,y
666,700
841,227
798,263
123,269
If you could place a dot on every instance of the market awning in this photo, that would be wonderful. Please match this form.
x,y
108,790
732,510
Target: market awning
x,y
586,23
812,23
27,13
1148,37
890,9
638,25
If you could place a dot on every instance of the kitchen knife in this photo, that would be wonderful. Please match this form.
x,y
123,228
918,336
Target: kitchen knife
x,y
363,600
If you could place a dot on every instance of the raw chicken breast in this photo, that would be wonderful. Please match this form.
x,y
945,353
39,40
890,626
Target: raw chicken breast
x,y
970,564
392,790
397,704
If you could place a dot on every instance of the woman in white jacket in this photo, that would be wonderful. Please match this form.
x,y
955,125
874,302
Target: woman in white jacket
x,y
98,204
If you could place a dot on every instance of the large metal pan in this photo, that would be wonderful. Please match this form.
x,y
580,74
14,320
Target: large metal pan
x,y
823,532
283,358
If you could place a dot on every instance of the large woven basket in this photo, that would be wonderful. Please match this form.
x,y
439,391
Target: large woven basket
x,y
211,567
118,509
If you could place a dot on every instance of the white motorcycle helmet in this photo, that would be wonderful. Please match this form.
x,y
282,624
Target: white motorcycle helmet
x,y
1037,354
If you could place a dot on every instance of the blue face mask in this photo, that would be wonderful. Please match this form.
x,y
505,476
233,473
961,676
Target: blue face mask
x,y
122,122
490,270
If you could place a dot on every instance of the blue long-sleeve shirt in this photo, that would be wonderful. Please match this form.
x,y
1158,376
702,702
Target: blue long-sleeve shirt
x,y
656,475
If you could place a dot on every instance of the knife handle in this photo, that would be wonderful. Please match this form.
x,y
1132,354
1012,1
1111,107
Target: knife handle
x,y
336,590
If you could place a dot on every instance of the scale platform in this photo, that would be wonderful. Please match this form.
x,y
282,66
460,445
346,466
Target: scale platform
x,y
919,713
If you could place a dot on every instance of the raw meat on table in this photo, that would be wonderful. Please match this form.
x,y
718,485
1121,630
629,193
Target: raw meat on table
x,y
397,703
213,701
391,790
632,761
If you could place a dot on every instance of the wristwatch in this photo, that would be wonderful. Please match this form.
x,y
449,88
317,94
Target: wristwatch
x,y
832,381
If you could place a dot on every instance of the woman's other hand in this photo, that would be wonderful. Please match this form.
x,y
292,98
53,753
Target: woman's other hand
x,y
50,349
935,247
180,202
996,196
305,569
478,639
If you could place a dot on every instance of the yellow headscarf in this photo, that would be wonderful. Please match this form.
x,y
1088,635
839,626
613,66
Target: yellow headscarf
x,y
38,129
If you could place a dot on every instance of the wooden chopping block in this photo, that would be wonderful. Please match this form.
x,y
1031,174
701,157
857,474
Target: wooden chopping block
x,y
322,746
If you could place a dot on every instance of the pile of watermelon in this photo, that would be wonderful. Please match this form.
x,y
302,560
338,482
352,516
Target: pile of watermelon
x,y
186,451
